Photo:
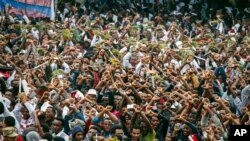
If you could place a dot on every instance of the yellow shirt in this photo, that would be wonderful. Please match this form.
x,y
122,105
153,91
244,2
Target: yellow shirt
x,y
149,136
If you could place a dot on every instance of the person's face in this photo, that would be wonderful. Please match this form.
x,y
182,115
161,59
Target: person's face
x,y
105,100
159,106
68,59
45,37
79,136
31,58
155,122
76,66
92,97
78,46
119,133
132,98
22,66
16,79
199,126
135,134
133,60
128,121
161,34
220,79
144,128
118,100
25,113
191,118
45,94
86,44
171,121
91,133
86,61
57,126
49,114
107,125
86,69
186,130
9,95
144,97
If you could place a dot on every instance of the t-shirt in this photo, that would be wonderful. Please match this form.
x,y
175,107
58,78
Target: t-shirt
x,y
149,136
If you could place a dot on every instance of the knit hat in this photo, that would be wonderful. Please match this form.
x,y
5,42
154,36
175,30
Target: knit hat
x,y
77,129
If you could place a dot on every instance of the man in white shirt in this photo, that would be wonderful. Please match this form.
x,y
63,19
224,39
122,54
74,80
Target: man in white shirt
x,y
57,128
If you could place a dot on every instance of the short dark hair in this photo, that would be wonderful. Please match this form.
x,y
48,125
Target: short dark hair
x,y
99,130
135,127
116,127
60,119
9,90
53,110
47,136
9,121
57,138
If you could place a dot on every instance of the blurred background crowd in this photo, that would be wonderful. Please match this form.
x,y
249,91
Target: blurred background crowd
x,y
114,70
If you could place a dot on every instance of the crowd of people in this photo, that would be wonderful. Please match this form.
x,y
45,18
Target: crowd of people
x,y
168,70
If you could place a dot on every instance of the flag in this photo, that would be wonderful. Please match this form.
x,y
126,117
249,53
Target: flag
x,y
77,94
32,8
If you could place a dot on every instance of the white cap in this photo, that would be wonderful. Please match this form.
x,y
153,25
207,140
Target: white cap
x,y
92,92
179,44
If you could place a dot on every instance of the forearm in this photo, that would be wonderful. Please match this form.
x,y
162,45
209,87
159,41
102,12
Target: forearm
x,y
172,112
225,107
195,81
133,119
243,119
151,102
149,91
100,85
180,110
100,115
156,67
95,56
128,100
113,118
145,119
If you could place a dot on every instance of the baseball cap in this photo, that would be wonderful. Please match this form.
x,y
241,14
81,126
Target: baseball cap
x,y
92,92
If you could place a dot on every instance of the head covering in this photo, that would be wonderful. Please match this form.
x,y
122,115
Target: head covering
x,y
92,92
10,132
76,122
33,136
77,129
